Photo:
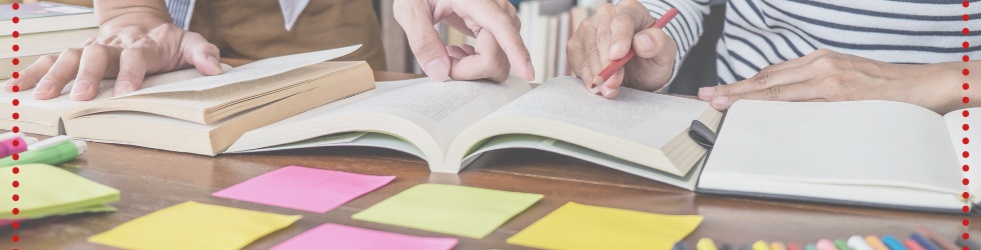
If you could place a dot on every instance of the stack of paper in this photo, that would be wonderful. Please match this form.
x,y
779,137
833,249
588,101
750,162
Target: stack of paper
x,y
44,190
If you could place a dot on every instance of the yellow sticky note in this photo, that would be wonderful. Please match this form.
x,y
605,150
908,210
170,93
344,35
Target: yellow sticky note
x,y
192,225
577,226
458,210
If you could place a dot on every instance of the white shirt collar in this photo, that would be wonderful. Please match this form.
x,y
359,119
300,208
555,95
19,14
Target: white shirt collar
x,y
291,11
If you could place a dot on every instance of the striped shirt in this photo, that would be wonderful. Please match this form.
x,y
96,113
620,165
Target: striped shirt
x,y
182,10
759,33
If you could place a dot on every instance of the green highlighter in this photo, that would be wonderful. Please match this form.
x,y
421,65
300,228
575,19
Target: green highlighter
x,y
53,151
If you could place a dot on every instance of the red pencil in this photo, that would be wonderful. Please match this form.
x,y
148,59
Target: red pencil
x,y
616,65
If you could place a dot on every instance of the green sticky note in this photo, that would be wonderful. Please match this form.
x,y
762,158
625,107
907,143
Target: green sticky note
x,y
457,210
47,190
192,225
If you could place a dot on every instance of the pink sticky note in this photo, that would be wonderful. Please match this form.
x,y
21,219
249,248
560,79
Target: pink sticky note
x,y
334,236
302,188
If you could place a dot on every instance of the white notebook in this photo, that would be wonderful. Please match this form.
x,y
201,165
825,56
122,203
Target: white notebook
x,y
876,153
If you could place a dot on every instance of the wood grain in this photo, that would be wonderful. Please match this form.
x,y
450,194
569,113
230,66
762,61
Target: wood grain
x,y
150,180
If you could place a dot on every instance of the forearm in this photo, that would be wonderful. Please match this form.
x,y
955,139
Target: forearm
x,y
143,10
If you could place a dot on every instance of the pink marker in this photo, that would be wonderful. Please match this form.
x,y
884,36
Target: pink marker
x,y
14,143
826,244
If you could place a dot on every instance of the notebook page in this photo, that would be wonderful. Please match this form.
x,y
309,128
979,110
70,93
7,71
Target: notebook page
x,y
634,115
955,121
864,142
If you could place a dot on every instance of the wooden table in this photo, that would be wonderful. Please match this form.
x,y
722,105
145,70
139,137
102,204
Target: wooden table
x,y
150,180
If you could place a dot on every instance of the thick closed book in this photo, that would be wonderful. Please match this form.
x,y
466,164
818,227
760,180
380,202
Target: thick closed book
x,y
186,112
45,17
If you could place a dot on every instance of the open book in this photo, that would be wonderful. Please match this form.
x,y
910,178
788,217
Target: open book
x,y
450,124
187,112
876,153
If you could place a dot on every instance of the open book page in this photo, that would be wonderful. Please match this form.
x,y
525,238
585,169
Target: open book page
x,y
859,143
251,71
63,104
351,139
634,115
955,121
242,90
307,125
441,109
551,145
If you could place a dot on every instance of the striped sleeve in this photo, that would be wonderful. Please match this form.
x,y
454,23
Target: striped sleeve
x,y
686,28
180,11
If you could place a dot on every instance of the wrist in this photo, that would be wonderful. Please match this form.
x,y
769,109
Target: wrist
x,y
939,87
132,12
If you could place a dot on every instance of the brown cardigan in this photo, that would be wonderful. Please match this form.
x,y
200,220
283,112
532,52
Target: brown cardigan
x,y
248,30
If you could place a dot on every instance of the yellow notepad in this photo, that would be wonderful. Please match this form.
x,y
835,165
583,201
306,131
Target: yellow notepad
x,y
577,226
46,190
193,225
458,210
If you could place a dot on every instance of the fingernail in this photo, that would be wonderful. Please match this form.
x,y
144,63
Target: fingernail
x,y
606,91
617,47
9,85
43,87
706,91
438,70
644,43
81,86
592,85
720,100
122,88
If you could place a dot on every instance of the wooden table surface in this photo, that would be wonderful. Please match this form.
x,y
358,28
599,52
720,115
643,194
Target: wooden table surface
x,y
150,180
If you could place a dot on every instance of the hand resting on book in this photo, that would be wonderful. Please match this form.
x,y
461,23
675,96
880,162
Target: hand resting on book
x,y
136,38
826,75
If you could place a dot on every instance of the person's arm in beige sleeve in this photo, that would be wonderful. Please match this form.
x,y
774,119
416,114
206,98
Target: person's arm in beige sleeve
x,y
136,38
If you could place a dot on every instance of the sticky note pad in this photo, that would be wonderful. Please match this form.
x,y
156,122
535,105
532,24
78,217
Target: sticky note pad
x,y
334,236
46,190
307,189
577,226
457,210
192,225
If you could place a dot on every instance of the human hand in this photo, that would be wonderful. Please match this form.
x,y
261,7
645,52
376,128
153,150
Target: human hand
x,y
494,23
826,75
128,47
609,35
